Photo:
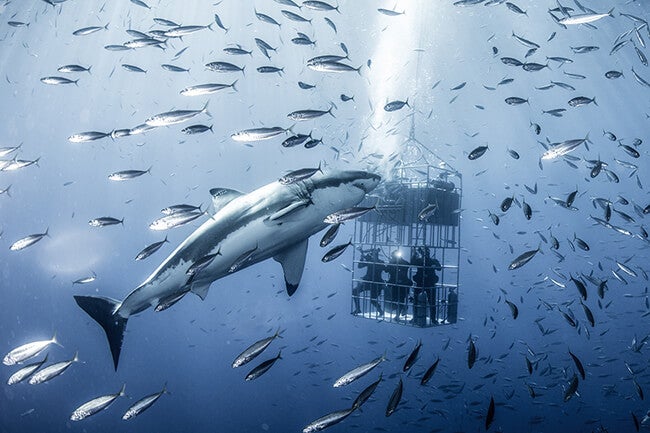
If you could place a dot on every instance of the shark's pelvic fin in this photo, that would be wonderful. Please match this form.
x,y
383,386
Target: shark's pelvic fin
x,y
292,260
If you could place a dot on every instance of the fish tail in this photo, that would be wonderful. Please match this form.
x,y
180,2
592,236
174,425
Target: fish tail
x,y
122,393
55,341
104,312
88,70
233,85
9,193
611,12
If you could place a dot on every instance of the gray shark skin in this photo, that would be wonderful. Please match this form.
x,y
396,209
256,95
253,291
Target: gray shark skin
x,y
275,220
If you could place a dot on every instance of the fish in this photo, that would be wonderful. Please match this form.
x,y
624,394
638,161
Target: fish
x,y
331,66
506,203
477,152
358,372
127,174
258,134
396,105
180,31
328,420
578,364
428,211
347,214
571,389
173,117
489,417
25,372
471,354
27,351
515,100
302,115
412,357
133,68
143,404
174,220
335,252
581,100
329,235
584,18
58,80
287,243
522,259
83,137
395,398
89,30
513,309
149,250
52,371
28,241
563,148
95,405
252,351
365,394
207,89
105,221
298,175
429,373
262,368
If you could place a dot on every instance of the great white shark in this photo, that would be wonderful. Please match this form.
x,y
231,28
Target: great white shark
x,y
275,220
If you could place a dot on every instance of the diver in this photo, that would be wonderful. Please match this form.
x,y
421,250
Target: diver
x,y
372,281
425,279
399,282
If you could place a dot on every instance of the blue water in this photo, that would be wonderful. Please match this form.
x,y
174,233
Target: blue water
x,y
192,345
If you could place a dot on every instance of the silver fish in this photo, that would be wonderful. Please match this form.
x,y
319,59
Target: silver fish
x,y
143,404
206,89
149,250
395,398
328,420
52,371
28,241
346,214
83,137
298,175
105,221
358,372
58,80
522,259
301,115
173,117
95,405
254,350
258,134
174,220
25,372
262,368
26,351
584,18
127,174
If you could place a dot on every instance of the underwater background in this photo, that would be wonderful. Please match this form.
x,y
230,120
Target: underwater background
x,y
446,59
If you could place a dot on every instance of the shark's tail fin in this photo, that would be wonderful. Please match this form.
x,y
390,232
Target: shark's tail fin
x,y
103,311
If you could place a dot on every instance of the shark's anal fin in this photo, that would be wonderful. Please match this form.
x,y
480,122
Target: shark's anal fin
x,y
292,260
103,311
223,196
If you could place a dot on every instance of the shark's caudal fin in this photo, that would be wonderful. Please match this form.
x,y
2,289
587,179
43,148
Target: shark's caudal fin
x,y
102,310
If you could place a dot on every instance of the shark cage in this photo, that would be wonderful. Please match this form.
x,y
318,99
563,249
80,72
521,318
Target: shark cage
x,y
407,252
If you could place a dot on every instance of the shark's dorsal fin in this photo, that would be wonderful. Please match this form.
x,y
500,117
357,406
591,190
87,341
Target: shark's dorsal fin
x,y
292,260
223,196
200,290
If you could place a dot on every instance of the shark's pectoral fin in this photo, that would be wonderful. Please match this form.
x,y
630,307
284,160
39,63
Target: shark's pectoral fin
x,y
292,260
223,196
200,290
